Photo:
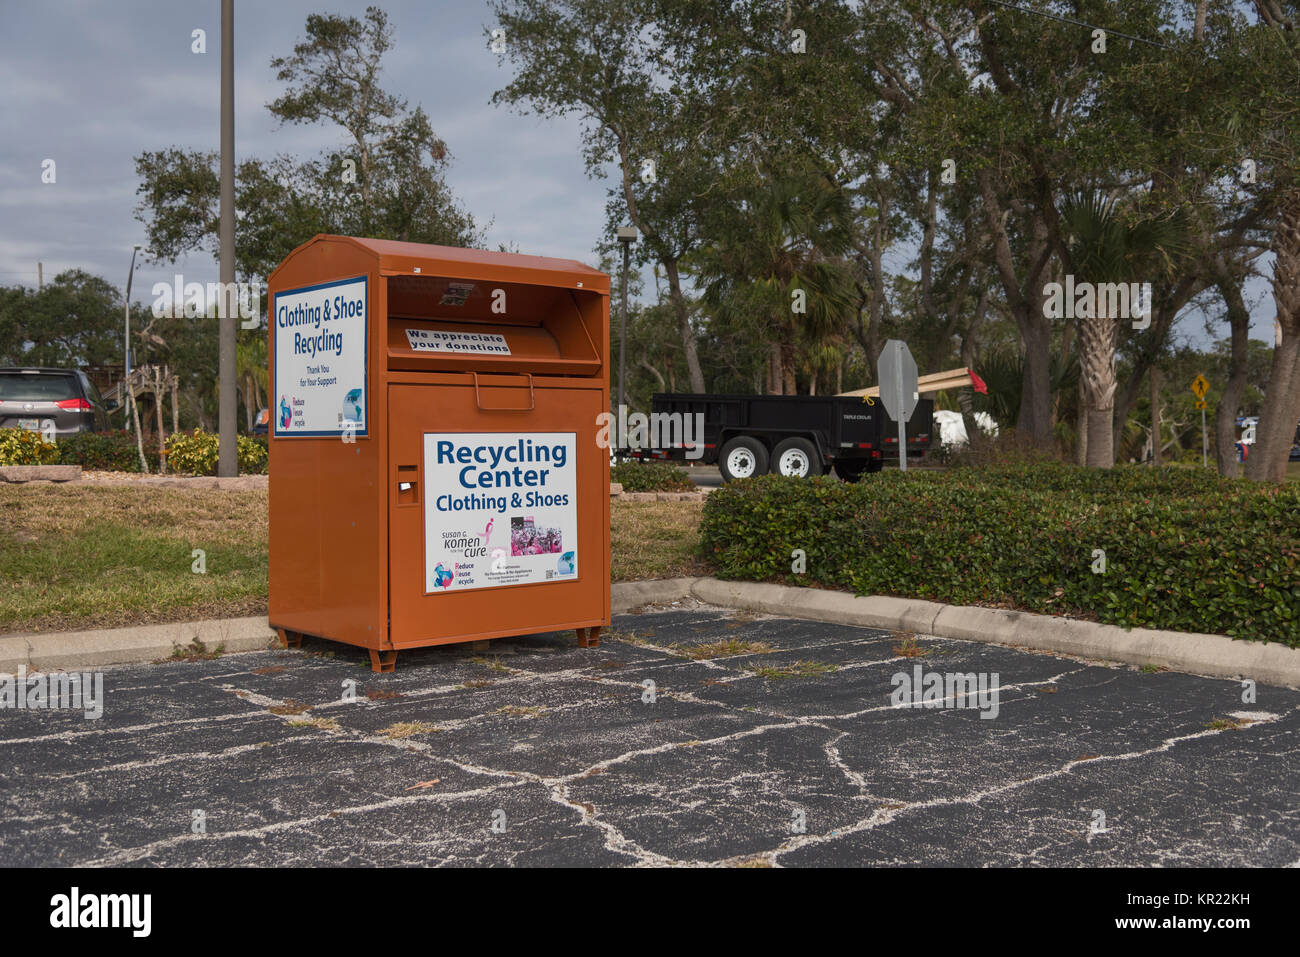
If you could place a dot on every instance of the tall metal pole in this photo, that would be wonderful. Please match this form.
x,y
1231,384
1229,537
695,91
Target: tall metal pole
x,y
622,336
626,236
228,408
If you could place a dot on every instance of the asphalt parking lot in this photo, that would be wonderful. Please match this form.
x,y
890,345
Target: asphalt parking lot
x,y
538,752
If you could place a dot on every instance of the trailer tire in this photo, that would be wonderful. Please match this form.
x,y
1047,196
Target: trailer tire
x,y
796,457
742,457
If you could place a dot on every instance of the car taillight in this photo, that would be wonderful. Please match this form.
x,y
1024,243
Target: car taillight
x,y
75,405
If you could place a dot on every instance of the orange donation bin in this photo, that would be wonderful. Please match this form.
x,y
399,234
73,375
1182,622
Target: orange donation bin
x,y
435,475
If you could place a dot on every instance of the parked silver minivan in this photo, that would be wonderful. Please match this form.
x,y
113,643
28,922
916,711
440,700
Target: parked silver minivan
x,y
57,402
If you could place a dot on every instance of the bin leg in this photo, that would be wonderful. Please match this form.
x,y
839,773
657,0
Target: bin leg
x,y
383,660
589,637
289,639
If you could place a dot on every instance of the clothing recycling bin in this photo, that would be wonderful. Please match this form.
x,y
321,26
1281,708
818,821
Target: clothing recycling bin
x,y
435,475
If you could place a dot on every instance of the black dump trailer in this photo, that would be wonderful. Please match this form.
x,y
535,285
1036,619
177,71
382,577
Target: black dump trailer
x,y
800,435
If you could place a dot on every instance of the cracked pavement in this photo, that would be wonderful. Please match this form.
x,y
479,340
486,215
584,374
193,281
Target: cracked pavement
x,y
540,753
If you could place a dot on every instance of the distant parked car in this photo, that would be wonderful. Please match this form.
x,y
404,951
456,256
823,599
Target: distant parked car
x,y
60,402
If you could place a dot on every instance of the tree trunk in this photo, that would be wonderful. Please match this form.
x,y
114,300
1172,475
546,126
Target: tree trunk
x,y
158,414
788,363
1277,420
684,324
774,369
1101,438
1097,339
1155,417
1035,415
1024,294
1081,440
139,437
1225,419
1275,433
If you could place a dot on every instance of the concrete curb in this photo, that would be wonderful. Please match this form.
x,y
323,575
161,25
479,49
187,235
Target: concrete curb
x,y
624,596
77,650
1212,655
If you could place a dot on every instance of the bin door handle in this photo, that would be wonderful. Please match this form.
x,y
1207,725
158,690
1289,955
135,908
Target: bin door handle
x,y
532,398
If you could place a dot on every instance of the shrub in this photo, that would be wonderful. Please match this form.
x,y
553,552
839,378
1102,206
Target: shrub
x,y
650,477
114,451
253,454
1184,549
196,453
25,447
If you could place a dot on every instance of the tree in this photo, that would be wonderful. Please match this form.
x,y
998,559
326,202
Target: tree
x,y
389,185
590,58
1280,146
1104,245
75,321
779,262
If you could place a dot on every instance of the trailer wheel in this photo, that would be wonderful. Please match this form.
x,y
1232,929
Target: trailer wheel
x,y
742,457
796,457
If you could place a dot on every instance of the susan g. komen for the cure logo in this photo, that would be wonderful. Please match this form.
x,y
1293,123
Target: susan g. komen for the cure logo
x,y
78,910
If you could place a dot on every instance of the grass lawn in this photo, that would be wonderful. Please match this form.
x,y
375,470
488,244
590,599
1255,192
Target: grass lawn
x,y
80,556
76,557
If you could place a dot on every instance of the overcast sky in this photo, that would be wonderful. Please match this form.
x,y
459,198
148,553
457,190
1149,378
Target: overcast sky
x,y
93,84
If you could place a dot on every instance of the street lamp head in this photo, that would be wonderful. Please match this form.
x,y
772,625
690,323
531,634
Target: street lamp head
x,y
627,234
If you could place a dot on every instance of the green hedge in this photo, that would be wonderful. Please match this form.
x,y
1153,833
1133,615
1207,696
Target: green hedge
x,y
650,477
1184,549
114,451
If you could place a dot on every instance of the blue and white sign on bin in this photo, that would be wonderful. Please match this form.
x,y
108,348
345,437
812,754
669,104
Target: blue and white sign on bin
x,y
320,360
500,509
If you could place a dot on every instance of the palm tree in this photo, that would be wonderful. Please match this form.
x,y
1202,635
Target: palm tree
x,y
781,267
1107,244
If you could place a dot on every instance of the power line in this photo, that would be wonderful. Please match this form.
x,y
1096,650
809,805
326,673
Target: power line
x,y
1077,23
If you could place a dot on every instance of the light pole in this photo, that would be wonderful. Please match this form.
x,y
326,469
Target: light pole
x,y
626,236
228,401
126,343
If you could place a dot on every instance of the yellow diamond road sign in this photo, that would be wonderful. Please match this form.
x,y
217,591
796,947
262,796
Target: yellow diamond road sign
x,y
1200,387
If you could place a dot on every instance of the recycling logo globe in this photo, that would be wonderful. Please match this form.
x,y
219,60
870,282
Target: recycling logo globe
x,y
352,410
